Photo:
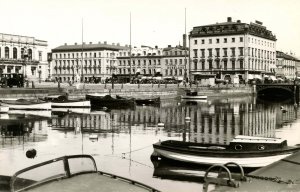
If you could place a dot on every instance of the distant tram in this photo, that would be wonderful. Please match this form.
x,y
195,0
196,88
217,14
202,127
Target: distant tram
x,y
11,79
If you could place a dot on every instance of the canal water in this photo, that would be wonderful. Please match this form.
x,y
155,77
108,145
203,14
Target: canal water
x,y
125,137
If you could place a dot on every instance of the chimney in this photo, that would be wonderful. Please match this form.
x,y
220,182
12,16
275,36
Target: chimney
x,y
169,45
229,19
75,43
156,47
238,21
113,43
65,43
105,42
184,41
99,42
84,43
91,43
118,44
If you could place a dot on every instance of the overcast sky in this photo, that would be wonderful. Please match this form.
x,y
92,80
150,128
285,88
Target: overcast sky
x,y
154,22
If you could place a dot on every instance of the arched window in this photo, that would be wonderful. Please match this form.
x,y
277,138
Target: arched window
x,y
6,52
15,53
30,54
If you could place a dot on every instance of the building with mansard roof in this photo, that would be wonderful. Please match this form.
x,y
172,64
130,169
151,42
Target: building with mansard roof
x,y
286,65
232,49
86,62
23,55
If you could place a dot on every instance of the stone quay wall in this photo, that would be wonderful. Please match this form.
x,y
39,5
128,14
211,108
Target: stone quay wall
x,y
43,89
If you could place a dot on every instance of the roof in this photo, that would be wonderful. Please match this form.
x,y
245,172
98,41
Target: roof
x,y
89,47
280,54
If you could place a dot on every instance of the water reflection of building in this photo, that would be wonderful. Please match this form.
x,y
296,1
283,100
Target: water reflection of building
x,y
19,129
213,122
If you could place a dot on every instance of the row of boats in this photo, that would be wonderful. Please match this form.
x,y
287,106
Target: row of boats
x,y
94,101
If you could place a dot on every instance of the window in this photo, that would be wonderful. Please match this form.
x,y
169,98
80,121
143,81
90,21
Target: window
x,y
203,41
225,65
210,52
225,40
233,64
241,51
15,53
241,64
203,64
225,52
202,52
241,39
40,56
195,42
210,64
210,41
218,41
232,52
195,53
233,40
218,52
195,65
6,52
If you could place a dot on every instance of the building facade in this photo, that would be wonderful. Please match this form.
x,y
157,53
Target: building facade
x,y
23,55
175,62
86,62
285,65
232,49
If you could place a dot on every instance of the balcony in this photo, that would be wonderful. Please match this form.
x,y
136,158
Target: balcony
x,y
18,61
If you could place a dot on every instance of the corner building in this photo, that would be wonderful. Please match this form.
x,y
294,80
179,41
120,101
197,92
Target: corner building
x,y
232,49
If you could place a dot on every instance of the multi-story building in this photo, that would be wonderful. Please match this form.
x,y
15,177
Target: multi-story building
x,y
144,60
23,55
285,65
85,61
232,49
175,63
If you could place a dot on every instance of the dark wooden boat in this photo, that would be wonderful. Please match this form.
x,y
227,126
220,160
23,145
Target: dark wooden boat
x,y
247,151
143,101
74,173
107,101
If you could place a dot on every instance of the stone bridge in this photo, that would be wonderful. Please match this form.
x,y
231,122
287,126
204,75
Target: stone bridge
x,y
278,90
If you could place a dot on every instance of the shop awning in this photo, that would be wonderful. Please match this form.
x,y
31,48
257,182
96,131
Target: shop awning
x,y
257,77
273,78
250,76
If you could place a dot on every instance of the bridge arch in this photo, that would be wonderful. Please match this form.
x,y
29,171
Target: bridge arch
x,y
275,91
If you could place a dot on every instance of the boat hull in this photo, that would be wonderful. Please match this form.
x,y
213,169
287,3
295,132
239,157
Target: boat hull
x,y
194,97
71,104
33,106
4,109
99,102
250,162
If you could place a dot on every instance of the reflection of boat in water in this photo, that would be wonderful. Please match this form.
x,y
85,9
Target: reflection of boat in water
x,y
72,173
247,151
39,113
189,94
23,104
4,109
62,101
72,110
173,171
107,101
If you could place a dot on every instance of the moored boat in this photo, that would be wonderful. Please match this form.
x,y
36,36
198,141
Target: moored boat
x,y
4,109
143,101
23,104
62,101
189,94
72,173
107,101
247,151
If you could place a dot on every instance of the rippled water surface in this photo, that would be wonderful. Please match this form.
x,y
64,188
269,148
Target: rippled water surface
x,y
125,137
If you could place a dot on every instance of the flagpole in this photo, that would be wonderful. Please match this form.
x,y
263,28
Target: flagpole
x,y
82,50
130,50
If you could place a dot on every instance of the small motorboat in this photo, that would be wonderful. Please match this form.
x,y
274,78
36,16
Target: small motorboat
x,y
24,104
247,151
107,101
74,173
62,101
189,94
